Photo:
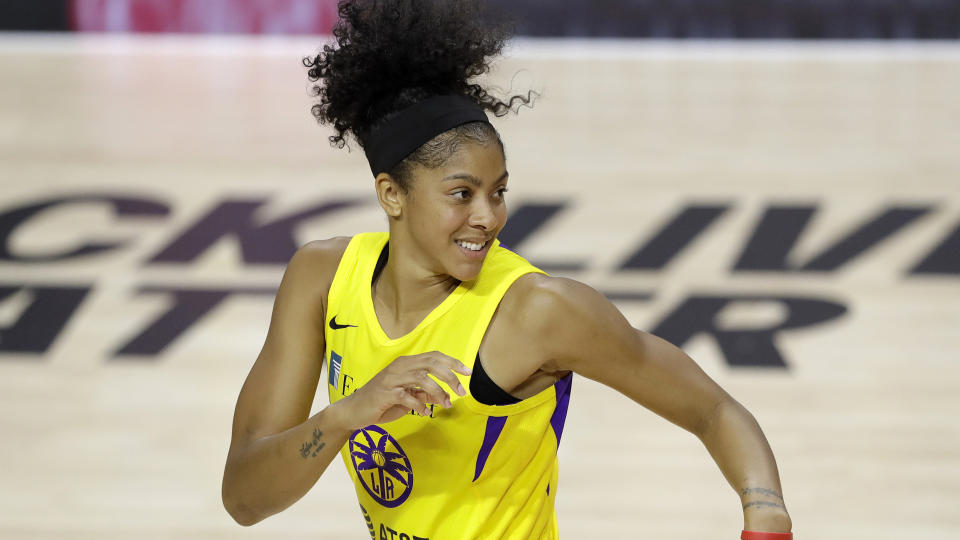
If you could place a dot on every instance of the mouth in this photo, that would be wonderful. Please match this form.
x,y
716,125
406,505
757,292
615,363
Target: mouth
x,y
473,250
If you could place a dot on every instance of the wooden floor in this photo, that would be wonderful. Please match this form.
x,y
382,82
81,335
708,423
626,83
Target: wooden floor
x,y
864,419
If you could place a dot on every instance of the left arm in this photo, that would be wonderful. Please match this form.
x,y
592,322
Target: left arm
x,y
585,333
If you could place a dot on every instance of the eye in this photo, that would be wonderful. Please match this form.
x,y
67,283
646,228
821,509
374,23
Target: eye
x,y
502,191
463,194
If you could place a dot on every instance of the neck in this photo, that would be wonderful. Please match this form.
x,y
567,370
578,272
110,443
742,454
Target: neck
x,y
407,286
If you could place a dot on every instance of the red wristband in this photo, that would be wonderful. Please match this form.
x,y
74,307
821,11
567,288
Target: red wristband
x,y
757,535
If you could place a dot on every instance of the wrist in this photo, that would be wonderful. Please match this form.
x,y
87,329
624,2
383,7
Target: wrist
x,y
338,415
764,510
768,519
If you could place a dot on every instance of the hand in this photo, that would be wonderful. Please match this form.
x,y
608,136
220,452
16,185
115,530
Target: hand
x,y
403,386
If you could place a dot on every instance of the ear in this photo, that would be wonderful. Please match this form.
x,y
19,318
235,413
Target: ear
x,y
390,196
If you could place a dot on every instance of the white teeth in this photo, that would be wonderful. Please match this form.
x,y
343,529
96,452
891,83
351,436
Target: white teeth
x,y
471,247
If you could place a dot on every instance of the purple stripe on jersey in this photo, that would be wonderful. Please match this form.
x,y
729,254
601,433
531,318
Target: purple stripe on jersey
x,y
563,401
494,427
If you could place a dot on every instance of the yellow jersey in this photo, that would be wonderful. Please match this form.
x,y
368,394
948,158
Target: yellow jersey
x,y
469,471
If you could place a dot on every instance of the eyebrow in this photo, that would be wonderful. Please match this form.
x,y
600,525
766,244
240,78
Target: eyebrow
x,y
473,179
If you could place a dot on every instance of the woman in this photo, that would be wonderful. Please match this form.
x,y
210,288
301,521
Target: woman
x,y
437,449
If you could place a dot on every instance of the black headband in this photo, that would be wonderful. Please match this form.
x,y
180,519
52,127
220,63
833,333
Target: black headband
x,y
389,144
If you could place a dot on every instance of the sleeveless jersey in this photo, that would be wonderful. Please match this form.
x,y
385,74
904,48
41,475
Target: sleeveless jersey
x,y
468,471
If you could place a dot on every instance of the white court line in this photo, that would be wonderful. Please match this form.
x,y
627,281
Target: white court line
x,y
532,48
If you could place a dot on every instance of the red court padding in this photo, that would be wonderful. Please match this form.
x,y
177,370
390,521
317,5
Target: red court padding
x,y
205,16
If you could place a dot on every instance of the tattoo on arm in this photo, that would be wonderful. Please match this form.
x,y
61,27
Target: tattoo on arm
x,y
766,504
312,448
760,491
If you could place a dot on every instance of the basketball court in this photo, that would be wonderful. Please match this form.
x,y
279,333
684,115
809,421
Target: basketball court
x,y
788,213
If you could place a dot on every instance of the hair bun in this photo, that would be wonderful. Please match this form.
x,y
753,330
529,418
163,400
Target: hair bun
x,y
390,54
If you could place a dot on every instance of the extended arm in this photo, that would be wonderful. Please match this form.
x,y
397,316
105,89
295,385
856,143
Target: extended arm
x,y
729,431
583,332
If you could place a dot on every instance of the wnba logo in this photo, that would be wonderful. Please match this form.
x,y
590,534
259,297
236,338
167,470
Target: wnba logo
x,y
381,465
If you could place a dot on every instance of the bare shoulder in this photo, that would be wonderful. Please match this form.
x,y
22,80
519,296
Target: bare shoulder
x,y
316,262
549,312
308,276
540,300
568,320
319,254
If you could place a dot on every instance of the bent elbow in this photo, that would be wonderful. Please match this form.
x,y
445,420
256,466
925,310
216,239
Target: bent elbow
x,y
240,513
236,507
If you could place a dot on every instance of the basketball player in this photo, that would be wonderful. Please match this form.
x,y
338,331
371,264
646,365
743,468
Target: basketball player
x,y
450,358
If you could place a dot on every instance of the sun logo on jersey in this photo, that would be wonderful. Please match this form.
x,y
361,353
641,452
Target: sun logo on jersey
x,y
381,465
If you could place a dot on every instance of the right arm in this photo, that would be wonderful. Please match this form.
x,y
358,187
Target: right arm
x,y
276,453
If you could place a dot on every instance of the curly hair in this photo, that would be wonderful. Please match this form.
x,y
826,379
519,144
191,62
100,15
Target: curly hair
x,y
391,54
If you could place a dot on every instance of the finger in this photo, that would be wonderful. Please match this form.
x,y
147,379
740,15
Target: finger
x,y
423,382
451,362
443,367
413,402
424,398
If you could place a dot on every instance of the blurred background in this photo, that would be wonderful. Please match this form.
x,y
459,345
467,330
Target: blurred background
x,y
771,185
769,19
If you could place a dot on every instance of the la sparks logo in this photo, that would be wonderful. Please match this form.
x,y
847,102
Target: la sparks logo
x,y
381,465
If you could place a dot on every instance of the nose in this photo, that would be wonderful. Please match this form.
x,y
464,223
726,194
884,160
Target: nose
x,y
483,216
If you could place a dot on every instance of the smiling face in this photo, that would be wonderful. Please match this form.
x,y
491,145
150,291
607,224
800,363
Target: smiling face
x,y
450,215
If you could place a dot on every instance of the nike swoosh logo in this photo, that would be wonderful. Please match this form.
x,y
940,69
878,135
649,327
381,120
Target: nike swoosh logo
x,y
335,326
